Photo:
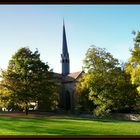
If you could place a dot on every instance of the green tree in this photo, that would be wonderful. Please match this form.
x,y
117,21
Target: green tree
x,y
85,104
27,79
133,65
104,83
122,93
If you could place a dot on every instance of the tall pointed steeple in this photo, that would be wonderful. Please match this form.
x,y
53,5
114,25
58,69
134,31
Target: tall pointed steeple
x,y
65,55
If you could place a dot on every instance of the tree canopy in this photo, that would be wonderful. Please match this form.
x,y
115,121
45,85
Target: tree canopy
x,y
133,65
105,83
27,79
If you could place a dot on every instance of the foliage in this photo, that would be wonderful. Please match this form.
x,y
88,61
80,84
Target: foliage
x,y
133,65
106,84
85,105
26,80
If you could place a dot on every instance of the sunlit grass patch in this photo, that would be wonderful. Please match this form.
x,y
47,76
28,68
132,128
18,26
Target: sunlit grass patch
x,y
66,126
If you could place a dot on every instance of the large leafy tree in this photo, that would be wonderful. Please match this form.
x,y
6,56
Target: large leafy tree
x,y
27,79
104,83
121,92
133,65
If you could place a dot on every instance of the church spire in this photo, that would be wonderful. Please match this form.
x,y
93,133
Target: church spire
x,y
65,54
65,48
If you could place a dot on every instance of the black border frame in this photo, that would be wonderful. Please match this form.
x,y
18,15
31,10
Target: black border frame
x,y
74,2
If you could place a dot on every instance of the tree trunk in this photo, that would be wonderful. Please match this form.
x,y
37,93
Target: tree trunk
x,y
26,109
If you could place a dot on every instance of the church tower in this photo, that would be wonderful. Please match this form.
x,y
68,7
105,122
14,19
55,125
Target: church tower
x,y
65,55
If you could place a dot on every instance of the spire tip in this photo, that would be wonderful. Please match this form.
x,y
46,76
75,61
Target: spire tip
x,y
63,22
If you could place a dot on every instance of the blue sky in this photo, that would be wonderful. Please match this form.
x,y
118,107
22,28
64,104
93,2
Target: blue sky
x,y
40,26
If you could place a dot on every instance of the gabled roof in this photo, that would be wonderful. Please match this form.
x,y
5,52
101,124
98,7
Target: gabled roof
x,y
68,78
75,75
72,76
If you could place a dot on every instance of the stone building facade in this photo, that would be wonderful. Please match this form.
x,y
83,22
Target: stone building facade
x,y
68,97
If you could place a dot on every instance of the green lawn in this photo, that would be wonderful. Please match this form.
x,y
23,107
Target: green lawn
x,y
66,126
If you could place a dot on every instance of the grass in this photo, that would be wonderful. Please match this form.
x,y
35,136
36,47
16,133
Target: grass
x,y
66,126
